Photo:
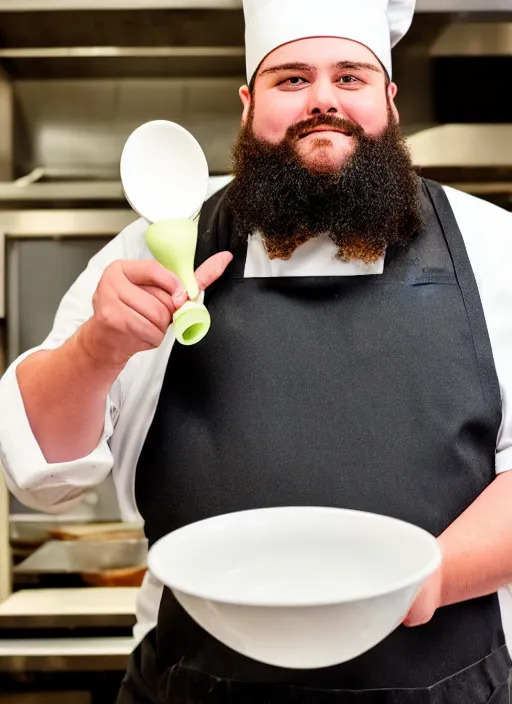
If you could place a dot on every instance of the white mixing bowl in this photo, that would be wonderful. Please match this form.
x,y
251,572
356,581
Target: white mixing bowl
x,y
297,587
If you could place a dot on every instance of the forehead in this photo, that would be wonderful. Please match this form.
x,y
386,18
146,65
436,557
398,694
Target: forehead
x,y
320,52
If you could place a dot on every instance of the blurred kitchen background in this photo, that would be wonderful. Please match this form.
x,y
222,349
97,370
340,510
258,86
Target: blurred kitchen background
x,y
76,77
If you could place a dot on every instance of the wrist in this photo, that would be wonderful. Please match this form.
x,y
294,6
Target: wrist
x,y
442,573
95,356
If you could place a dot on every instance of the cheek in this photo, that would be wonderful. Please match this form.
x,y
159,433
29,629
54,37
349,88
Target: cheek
x,y
367,111
274,113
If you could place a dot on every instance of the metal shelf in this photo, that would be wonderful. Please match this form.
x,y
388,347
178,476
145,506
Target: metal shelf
x,y
65,654
88,607
70,5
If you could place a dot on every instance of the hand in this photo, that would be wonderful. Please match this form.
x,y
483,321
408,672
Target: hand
x,y
133,307
427,602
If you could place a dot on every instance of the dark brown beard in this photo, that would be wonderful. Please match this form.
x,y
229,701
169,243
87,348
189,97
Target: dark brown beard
x,y
370,203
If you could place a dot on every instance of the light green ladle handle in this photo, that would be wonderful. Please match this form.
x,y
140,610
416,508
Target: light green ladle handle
x,y
173,244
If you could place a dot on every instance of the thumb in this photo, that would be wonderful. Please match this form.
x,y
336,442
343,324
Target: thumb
x,y
212,269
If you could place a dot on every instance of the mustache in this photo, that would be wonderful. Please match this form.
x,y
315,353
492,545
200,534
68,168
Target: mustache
x,y
301,129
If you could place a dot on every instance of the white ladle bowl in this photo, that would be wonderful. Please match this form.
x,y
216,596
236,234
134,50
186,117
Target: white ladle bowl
x,y
164,172
297,587
165,179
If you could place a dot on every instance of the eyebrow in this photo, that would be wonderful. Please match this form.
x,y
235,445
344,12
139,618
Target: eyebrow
x,y
351,65
359,66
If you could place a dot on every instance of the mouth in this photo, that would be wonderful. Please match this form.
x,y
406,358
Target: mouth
x,y
325,128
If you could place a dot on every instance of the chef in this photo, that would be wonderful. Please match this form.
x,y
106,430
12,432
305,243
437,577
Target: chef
x,y
360,356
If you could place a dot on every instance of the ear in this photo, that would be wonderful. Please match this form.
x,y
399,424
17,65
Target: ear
x,y
392,90
246,98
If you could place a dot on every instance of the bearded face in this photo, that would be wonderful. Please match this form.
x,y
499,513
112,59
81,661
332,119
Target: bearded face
x,y
369,202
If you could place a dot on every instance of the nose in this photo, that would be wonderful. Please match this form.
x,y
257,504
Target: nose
x,y
322,98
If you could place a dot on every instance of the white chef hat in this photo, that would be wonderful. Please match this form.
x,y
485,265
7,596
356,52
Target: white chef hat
x,y
378,24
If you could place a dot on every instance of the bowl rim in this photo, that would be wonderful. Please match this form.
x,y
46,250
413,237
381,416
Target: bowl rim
x,y
417,577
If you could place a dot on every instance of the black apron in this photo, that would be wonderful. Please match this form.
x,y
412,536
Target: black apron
x,y
376,393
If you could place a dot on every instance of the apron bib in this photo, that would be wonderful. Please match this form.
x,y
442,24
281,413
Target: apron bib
x,y
376,393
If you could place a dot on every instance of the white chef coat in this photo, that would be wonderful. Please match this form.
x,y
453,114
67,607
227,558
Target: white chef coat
x,y
487,232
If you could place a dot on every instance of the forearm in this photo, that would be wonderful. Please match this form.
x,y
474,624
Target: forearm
x,y
477,547
64,392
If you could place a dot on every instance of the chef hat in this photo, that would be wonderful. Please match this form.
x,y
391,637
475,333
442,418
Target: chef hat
x,y
378,24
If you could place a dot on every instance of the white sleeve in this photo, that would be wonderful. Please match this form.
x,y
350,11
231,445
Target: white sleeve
x,y
487,232
55,487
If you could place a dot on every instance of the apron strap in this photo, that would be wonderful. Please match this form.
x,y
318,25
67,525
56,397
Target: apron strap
x,y
214,228
470,294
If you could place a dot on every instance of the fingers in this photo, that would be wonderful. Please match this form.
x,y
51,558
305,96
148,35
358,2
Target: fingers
x,y
149,272
141,332
149,306
212,269
159,282
162,296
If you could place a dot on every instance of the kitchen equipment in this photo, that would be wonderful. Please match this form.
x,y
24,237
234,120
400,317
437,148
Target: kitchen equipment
x,y
164,171
85,607
121,577
52,640
165,178
31,534
297,587
98,531
85,556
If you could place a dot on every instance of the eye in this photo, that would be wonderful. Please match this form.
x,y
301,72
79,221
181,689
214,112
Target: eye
x,y
347,80
293,82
